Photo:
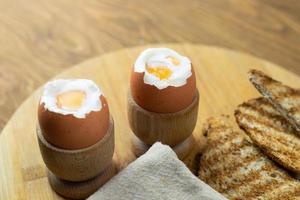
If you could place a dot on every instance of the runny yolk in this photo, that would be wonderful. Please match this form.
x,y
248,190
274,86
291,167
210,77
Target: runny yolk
x,y
160,71
173,60
70,99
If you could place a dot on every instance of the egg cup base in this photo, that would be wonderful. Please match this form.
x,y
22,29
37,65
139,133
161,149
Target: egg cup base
x,y
83,189
181,150
168,128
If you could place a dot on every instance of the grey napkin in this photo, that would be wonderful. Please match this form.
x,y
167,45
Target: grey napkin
x,y
158,174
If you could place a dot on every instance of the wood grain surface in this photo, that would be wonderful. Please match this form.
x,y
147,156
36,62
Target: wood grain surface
x,y
40,38
221,79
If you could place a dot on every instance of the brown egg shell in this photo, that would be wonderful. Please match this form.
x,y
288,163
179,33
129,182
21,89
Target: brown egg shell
x,y
168,100
70,132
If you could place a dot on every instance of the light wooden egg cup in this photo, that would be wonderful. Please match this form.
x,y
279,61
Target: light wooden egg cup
x,y
173,129
76,174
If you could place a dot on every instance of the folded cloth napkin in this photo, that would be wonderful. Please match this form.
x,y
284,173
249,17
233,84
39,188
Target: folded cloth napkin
x,y
158,174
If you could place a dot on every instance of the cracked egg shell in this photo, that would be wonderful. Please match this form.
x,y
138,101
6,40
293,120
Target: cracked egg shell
x,y
70,132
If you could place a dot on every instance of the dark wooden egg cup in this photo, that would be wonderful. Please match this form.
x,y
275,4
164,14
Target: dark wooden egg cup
x,y
77,174
173,129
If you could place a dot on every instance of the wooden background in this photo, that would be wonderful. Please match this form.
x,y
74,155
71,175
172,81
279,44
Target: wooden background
x,y
40,38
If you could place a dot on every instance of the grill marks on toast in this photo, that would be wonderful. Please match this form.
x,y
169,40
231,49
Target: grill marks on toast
x,y
284,98
289,191
232,165
228,166
268,113
271,132
266,183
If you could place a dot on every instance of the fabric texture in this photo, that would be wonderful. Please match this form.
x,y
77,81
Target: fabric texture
x,y
156,175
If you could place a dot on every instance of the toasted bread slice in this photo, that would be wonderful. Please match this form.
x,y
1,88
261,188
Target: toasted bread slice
x,y
270,132
235,167
284,98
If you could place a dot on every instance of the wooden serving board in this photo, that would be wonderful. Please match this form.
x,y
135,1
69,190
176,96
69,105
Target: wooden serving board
x,y
221,79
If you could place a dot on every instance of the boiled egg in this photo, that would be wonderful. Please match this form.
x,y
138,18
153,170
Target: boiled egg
x,y
163,81
73,113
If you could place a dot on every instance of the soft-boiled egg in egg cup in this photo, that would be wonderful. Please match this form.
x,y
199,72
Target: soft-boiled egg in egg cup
x,y
163,100
75,136
163,81
73,114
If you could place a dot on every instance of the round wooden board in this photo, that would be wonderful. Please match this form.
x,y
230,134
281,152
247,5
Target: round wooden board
x,y
221,79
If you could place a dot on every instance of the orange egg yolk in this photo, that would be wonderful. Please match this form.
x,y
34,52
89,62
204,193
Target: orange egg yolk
x,y
173,60
71,99
160,71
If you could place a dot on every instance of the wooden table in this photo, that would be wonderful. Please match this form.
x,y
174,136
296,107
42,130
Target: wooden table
x,y
40,38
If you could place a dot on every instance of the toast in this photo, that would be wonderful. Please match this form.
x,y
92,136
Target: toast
x,y
270,132
235,167
284,98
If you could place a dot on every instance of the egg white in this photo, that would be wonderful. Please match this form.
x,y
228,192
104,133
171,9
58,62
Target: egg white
x,y
158,57
90,103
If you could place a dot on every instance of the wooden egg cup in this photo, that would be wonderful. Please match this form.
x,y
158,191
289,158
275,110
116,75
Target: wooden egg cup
x,y
173,129
76,174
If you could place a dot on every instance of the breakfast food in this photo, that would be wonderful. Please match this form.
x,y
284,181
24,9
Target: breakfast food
x,y
270,131
73,113
163,81
285,99
76,137
163,101
233,166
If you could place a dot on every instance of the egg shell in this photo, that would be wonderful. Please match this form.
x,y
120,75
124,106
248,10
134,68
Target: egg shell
x,y
70,132
168,100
